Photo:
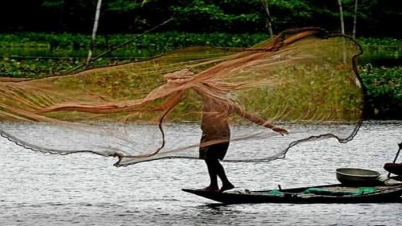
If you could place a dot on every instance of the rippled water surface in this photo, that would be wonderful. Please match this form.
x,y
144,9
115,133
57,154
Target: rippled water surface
x,y
85,189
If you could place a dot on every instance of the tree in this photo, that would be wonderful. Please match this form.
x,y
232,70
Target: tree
x,y
355,19
268,18
94,30
341,16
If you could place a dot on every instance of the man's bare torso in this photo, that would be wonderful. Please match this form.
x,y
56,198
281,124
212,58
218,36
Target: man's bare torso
x,y
214,122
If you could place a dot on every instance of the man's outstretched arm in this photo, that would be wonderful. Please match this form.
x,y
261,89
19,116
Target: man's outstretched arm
x,y
259,121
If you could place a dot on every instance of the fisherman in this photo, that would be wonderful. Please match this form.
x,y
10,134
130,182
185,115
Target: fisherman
x,y
395,168
215,138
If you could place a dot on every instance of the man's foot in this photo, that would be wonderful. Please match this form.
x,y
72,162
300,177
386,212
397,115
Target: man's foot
x,y
212,189
226,187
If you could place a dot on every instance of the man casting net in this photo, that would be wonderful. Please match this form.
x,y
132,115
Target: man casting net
x,y
303,82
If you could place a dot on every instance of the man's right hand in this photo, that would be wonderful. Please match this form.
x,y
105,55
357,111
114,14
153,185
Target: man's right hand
x,y
280,130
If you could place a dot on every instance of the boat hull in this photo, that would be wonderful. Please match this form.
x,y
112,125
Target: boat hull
x,y
298,195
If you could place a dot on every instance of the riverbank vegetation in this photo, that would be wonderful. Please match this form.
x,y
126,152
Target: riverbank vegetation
x,y
43,54
56,38
39,55
384,92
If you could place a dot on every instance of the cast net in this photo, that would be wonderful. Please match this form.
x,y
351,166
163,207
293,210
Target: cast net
x,y
303,80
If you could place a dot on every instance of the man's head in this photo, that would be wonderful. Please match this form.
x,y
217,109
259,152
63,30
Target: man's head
x,y
179,76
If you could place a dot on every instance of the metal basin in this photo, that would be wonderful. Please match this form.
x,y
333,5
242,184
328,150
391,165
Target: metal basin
x,y
357,177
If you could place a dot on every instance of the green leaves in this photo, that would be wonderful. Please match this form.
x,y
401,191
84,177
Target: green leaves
x,y
384,92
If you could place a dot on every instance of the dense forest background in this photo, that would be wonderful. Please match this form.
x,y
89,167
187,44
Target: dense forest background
x,y
375,18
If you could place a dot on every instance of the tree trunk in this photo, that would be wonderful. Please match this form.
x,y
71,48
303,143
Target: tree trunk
x,y
268,17
341,16
355,19
342,29
94,30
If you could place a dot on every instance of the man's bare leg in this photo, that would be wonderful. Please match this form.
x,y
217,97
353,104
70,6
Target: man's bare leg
x,y
226,185
213,176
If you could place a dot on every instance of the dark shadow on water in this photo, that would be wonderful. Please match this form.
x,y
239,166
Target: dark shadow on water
x,y
217,209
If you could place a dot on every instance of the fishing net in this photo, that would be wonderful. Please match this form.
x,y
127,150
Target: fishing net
x,y
303,81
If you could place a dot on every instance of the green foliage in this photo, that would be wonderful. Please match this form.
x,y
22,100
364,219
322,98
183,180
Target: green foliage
x,y
210,16
384,92
123,5
374,17
60,45
52,4
159,41
381,43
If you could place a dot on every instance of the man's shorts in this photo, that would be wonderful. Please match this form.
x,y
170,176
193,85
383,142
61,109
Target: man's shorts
x,y
214,151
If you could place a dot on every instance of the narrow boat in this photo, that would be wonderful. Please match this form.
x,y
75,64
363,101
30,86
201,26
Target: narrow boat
x,y
356,186
336,193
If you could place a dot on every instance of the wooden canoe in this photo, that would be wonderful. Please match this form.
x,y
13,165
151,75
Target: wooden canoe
x,y
336,193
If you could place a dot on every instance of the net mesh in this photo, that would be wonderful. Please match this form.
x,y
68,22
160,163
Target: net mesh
x,y
303,81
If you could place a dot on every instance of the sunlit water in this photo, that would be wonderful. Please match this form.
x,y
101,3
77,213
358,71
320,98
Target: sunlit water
x,y
85,189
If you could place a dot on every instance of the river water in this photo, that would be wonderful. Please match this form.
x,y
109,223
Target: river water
x,y
85,189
